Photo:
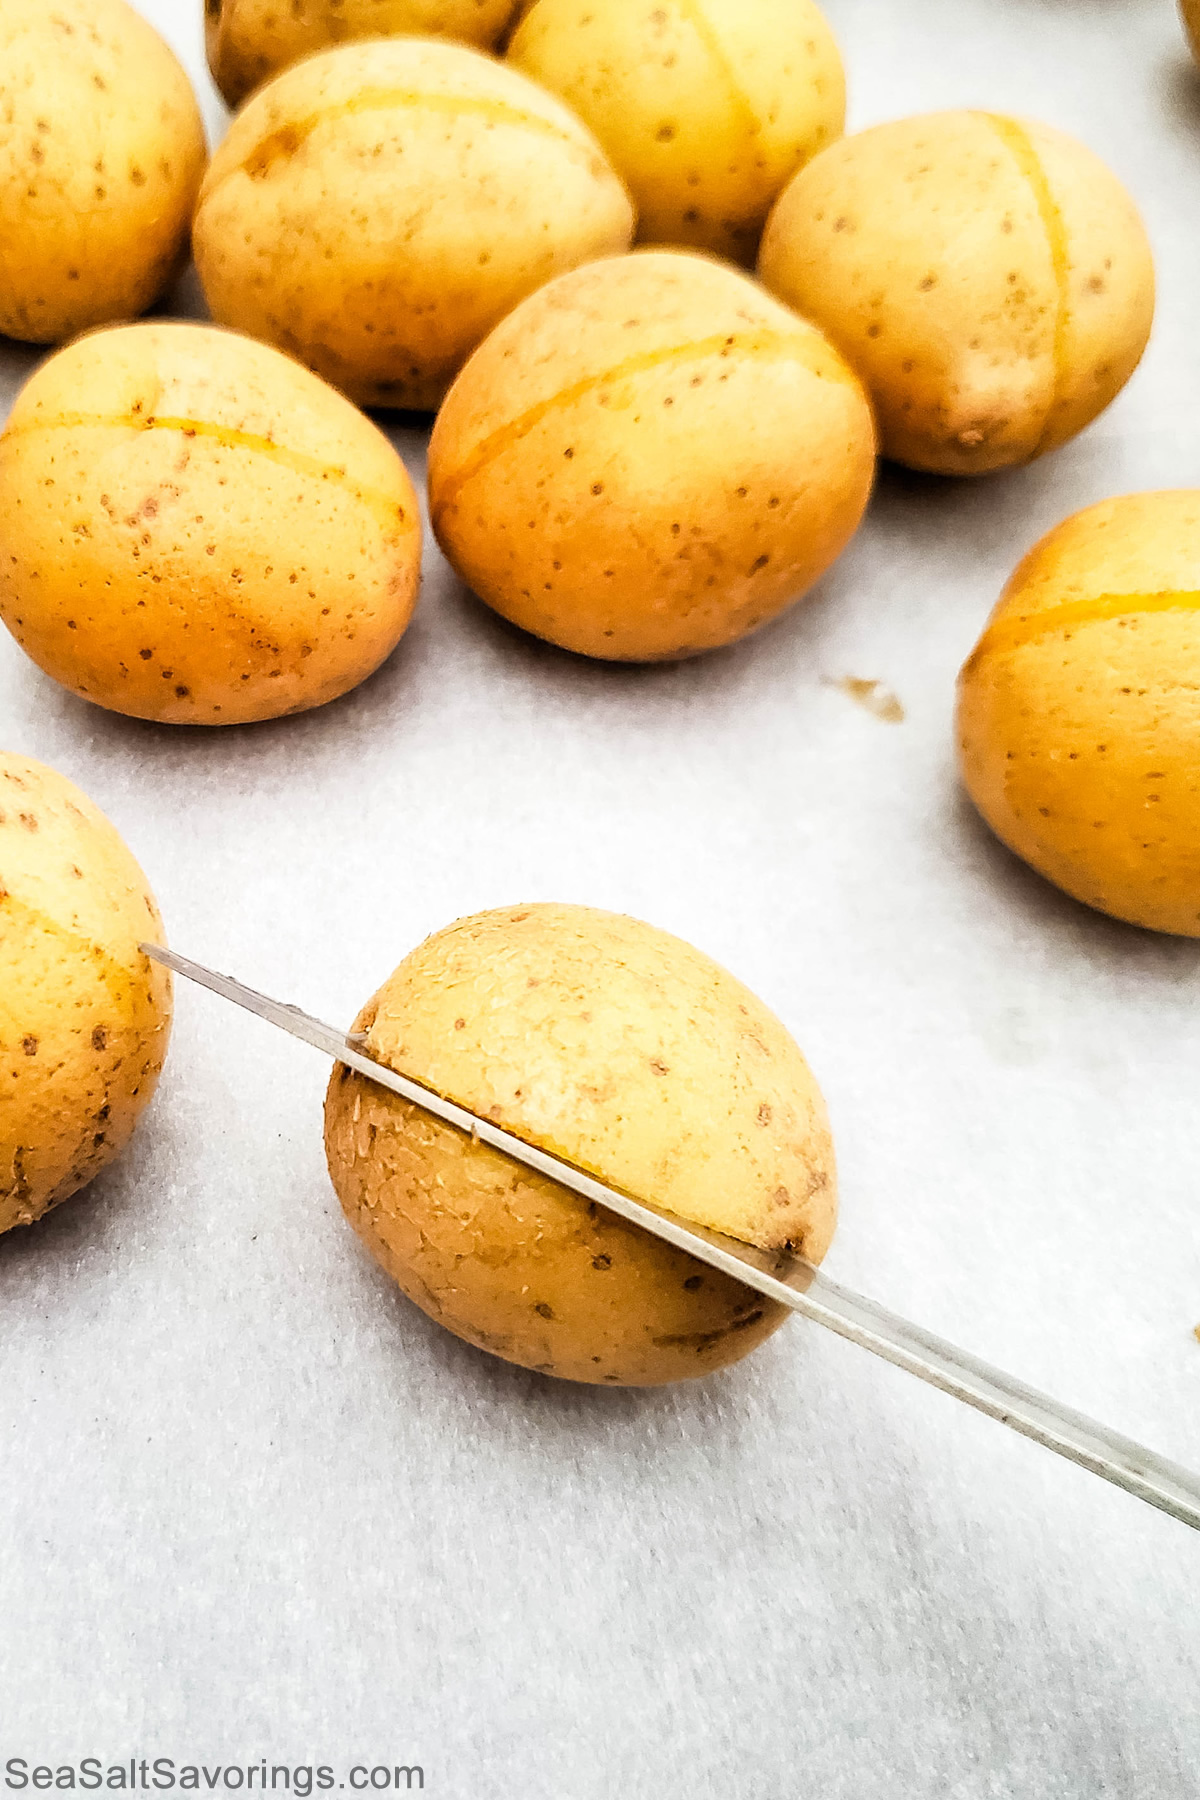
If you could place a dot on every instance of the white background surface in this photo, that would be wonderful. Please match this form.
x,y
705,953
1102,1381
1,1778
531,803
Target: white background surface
x,y
252,1503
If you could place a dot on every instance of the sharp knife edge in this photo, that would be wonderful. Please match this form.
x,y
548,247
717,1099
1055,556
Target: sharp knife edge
x,y
781,1276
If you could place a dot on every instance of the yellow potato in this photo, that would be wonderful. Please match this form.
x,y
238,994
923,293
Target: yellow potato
x,y
649,458
84,1015
633,1056
199,531
377,209
1079,710
988,277
251,40
706,107
101,154
1190,13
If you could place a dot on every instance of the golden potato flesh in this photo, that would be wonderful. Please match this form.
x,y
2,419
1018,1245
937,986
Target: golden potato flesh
x,y
705,110
649,458
251,40
377,209
199,531
633,1056
84,1015
988,277
1079,710
101,154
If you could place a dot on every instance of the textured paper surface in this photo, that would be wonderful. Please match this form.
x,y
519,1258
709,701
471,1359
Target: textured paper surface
x,y
253,1504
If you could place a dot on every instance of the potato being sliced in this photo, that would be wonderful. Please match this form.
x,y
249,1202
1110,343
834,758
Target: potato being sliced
x,y
634,1056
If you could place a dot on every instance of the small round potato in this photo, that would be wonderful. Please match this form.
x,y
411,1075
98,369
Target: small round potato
x,y
84,1015
249,41
649,458
101,154
1079,710
633,1056
199,531
705,111
377,209
988,277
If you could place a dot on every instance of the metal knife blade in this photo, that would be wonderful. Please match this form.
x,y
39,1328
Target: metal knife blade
x,y
786,1278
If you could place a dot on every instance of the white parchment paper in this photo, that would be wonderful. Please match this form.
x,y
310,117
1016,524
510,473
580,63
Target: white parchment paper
x,y
253,1504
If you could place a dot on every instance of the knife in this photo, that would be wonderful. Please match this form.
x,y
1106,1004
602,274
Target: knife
x,y
778,1274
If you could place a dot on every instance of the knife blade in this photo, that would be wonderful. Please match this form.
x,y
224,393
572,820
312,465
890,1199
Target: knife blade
x,y
780,1275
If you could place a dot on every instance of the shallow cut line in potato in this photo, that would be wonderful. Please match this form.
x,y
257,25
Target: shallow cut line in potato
x,y
734,345
286,140
390,511
1065,618
1017,140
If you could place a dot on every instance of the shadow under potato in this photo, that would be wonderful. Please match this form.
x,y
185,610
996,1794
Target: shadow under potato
x,y
73,1227
1180,90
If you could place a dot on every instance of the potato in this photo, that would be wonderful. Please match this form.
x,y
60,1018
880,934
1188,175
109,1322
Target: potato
x,y
379,208
988,277
705,111
633,1056
84,1015
1079,710
101,154
251,40
1190,13
199,531
649,458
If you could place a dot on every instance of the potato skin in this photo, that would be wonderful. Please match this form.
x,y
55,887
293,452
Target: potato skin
x,y
649,458
705,111
988,277
198,530
249,41
1079,710
84,1015
101,154
1189,12
632,1055
378,208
